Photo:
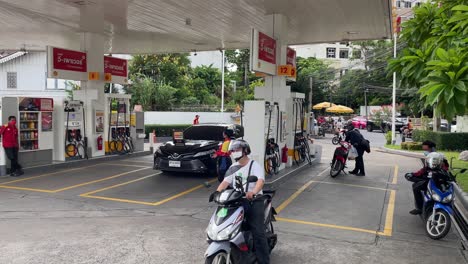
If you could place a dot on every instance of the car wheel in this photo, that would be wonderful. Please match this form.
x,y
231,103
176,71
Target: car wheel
x,y
369,129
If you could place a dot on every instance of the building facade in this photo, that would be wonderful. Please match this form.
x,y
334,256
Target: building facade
x,y
25,74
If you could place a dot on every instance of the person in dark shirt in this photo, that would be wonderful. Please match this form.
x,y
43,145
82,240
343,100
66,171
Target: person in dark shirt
x,y
354,137
420,178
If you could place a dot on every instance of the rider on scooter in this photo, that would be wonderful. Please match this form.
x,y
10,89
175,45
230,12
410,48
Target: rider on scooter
x,y
420,178
255,214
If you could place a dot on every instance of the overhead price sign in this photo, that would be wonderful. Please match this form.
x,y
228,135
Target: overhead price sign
x,y
66,64
291,61
115,70
263,53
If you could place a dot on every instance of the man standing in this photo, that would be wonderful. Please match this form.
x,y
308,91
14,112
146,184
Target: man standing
x,y
354,137
9,134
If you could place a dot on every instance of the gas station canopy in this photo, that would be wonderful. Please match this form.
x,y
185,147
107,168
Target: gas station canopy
x,y
156,26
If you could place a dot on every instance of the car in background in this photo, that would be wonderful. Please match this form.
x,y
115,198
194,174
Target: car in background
x,y
386,125
359,122
193,155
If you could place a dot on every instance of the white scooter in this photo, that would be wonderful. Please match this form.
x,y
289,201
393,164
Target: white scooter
x,y
230,241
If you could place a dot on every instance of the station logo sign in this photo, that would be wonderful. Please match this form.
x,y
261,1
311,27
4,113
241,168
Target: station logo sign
x,y
266,48
115,70
263,53
69,60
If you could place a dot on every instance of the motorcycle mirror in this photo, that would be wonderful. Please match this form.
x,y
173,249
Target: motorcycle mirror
x,y
252,179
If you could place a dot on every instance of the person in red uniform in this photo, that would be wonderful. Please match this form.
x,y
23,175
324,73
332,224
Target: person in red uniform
x,y
223,155
196,121
9,134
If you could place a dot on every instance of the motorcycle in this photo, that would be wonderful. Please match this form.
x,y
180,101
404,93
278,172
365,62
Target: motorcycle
x,y
437,212
321,131
229,239
339,136
340,156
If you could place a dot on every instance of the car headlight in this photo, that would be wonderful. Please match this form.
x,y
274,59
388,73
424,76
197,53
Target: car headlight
x,y
203,153
448,199
436,197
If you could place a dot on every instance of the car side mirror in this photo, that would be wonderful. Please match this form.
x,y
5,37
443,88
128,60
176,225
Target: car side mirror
x,y
252,179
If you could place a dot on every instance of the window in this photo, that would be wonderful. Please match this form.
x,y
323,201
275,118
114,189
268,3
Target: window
x,y
356,53
12,80
331,52
418,3
344,53
398,4
407,4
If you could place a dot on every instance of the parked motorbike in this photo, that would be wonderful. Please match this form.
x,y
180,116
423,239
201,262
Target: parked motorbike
x,y
339,136
321,131
437,212
340,156
229,238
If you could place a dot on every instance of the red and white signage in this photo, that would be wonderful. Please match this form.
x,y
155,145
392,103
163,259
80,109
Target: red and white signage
x,y
117,68
263,53
66,64
266,48
291,57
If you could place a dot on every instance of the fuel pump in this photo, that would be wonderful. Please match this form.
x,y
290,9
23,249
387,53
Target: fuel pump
x,y
75,127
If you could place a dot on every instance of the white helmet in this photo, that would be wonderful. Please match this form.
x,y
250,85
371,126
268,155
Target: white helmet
x,y
434,160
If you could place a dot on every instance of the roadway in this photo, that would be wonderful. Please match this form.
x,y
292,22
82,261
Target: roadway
x,y
125,212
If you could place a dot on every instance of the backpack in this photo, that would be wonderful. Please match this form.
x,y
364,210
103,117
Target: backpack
x,y
366,145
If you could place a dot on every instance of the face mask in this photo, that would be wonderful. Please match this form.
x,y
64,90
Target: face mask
x,y
426,153
237,155
13,122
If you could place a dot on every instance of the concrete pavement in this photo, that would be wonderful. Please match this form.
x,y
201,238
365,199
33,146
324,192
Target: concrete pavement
x,y
124,212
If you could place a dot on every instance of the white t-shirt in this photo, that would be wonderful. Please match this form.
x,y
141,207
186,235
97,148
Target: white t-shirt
x,y
256,170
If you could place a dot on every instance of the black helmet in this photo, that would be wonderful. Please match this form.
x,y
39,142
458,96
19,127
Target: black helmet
x,y
229,132
240,144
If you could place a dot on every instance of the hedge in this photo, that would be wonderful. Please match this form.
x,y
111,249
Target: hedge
x,y
443,140
164,130
411,145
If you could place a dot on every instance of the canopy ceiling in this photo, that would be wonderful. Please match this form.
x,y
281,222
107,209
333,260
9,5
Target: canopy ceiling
x,y
154,26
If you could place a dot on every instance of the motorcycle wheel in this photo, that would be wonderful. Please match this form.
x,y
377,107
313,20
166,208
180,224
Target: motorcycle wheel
x,y
336,168
441,226
219,258
335,140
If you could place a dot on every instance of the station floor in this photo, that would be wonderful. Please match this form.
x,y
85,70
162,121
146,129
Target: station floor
x,y
126,212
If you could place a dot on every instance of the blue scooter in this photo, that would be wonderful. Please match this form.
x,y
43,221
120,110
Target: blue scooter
x,y
437,210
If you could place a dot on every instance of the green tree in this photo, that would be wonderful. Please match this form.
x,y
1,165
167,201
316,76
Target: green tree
x,y
436,57
241,59
321,75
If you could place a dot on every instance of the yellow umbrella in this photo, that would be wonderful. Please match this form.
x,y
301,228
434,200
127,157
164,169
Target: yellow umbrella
x,y
322,105
339,109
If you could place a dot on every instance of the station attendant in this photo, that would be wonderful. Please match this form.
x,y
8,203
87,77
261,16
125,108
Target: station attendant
x,y
224,155
9,134
196,120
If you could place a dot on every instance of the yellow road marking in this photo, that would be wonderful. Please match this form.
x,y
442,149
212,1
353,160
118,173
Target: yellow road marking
x,y
26,189
183,193
352,185
292,197
118,185
90,194
327,225
96,181
388,228
395,175
48,174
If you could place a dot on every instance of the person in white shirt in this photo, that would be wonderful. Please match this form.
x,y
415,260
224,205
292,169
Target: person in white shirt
x,y
254,210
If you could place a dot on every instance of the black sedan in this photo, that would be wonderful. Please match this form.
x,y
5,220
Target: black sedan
x,y
193,153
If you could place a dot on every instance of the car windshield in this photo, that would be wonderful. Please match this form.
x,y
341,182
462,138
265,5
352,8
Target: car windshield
x,y
204,133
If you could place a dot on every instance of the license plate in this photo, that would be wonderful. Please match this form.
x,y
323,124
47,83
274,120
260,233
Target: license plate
x,y
175,164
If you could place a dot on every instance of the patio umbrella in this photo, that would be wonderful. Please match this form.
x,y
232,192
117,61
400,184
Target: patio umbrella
x,y
322,105
340,109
